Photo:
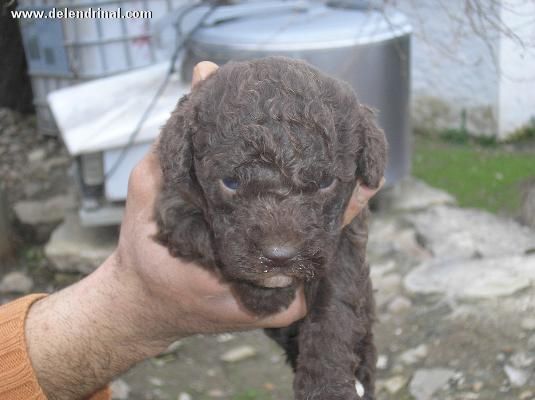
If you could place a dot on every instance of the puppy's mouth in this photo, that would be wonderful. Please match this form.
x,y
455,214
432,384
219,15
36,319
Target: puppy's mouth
x,y
277,281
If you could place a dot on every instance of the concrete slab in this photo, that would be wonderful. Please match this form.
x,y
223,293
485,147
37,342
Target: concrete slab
x,y
473,279
75,248
456,233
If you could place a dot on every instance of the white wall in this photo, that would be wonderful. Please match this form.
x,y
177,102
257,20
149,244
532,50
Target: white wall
x,y
488,77
517,78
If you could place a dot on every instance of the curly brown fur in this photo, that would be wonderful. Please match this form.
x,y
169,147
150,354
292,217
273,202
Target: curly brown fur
x,y
259,163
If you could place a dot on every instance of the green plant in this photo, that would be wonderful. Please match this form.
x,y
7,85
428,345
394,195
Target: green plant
x,y
459,136
252,394
462,136
527,132
32,254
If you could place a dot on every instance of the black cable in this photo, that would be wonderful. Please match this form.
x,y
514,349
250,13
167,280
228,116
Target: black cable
x,y
164,84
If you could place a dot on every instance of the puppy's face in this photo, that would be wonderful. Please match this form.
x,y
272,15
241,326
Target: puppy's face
x,y
274,200
259,162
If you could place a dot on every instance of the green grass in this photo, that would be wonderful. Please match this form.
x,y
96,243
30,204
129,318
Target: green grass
x,y
252,394
481,176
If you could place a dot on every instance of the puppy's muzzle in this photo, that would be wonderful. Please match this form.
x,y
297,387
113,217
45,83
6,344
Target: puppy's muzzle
x,y
279,255
278,281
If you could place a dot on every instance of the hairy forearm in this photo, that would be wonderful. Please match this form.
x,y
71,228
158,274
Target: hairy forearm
x,y
81,337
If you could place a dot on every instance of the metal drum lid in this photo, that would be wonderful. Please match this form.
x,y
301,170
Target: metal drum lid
x,y
296,25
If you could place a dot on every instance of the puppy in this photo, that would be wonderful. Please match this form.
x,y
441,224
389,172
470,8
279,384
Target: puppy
x,y
259,162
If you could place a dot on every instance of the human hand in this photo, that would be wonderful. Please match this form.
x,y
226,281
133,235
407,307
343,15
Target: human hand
x,y
180,298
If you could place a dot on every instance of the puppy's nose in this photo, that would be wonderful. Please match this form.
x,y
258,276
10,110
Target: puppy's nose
x,y
279,253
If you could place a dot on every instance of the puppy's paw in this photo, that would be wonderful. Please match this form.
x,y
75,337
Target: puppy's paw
x,y
331,390
263,301
338,393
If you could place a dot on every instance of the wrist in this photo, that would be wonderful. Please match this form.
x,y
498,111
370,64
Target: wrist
x,y
80,338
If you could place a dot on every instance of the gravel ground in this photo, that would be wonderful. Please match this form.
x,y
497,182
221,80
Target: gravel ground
x,y
32,166
445,344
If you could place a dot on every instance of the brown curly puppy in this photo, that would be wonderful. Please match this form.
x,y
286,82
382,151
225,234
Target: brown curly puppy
x,y
259,163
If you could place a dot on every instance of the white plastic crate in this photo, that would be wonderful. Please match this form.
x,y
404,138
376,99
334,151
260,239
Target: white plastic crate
x,y
66,51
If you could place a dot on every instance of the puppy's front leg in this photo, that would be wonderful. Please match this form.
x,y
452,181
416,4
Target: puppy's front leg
x,y
335,342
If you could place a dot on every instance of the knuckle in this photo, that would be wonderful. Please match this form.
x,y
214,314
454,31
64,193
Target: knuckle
x,y
136,176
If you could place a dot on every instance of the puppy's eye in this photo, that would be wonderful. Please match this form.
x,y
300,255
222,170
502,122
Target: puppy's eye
x,y
326,182
231,183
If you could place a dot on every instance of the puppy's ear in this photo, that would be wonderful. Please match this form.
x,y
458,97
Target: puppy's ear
x,y
178,210
372,149
175,151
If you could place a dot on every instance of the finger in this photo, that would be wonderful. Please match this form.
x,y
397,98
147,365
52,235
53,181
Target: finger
x,y
202,71
143,187
296,311
359,199
365,193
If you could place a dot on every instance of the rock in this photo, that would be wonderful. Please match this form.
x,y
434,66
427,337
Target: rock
x,y
36,155
482,279
527,209
44,212
388,237
531,342
528,324
386,287
39,218
224,337
406,242
477,386
16,282
162,360
76,248
526,395
413,194
454,233
521,360
458,379
172,348
395,384
184,396
379,270
388,283
399,304
517,377
31,189
468,396
55,162
6,244
275,359
382,362
216,393
238,354
426,382
382,232
412,356
155,381
120,390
